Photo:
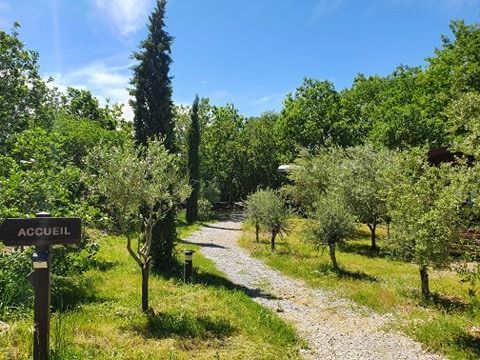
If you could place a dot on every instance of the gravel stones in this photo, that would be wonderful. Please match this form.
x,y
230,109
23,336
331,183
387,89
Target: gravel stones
x,y
334,328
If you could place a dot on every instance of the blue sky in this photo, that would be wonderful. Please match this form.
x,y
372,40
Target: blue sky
x,y
247,52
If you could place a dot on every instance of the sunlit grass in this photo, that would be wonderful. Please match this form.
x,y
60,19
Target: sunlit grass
x,y
374,280
209,319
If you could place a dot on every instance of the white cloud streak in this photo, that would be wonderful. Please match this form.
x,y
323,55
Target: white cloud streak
x,y
324,7
124,16
105,82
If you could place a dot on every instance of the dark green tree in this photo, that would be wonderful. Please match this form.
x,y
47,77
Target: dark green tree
x,y
152,105
193,163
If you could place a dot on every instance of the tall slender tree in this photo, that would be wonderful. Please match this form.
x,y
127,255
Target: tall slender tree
x,y
193,162
152,105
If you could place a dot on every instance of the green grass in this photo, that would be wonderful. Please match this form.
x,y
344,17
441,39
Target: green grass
x,y
447,323
209,319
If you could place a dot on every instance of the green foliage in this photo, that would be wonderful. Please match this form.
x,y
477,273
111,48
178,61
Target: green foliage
x,y
152,90
266,208
193,163
464,123
332,223
311,119
261,153
221,152
141,185
153,109
81,104
427,208
455,67
24,97
15,291
362,184
205,210
312,175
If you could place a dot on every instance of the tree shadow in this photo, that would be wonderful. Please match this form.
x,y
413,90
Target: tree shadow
x,y
444,303
105,265
343,273
184,325
70,292
211,245
354,247
209,279
470,342
213,280
220,227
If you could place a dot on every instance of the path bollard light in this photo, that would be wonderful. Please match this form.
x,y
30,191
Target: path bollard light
x,y
187,269
41,232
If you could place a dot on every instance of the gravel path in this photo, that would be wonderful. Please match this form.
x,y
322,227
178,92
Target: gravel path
x,y
334,328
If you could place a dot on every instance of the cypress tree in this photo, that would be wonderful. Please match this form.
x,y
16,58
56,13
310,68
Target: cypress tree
x,y
193,162
152,105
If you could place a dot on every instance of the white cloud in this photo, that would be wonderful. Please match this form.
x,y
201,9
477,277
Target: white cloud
x,y
323,7
105,82
125,16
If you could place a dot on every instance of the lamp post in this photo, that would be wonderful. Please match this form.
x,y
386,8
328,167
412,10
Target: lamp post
x,y
187,269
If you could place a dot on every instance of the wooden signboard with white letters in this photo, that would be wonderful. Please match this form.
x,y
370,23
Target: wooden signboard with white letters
x,y
40,231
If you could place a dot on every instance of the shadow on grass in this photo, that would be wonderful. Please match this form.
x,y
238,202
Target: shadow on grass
x,y
213,280
470,342
354,247
184,325
70,292
343,273
444,303
210,245
209,279
105,265
220,227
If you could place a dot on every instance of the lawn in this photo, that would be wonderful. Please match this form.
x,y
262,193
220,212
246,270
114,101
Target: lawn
x,y
209,319
448,323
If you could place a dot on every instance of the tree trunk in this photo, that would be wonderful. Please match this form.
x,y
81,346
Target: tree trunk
x,y
331,251
274,235
145,275
373,229
424,280
257,230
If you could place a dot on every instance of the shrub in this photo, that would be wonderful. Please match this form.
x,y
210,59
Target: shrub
x,y
15,290
332,223
267,208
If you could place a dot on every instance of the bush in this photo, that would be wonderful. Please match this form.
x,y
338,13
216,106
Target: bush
x,y
205,210
15,289
332,223
267,208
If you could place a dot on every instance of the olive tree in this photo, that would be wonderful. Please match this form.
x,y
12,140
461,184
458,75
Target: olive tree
x,y
362,184
427,205
331,223
140,185
254,209
266,208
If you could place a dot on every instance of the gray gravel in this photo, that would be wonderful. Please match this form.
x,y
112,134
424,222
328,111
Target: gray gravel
x,y
334,328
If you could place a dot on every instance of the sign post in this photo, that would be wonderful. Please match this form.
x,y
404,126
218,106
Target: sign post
x,y
41,232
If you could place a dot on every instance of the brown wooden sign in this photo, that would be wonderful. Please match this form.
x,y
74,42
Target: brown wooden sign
x,y
40,231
